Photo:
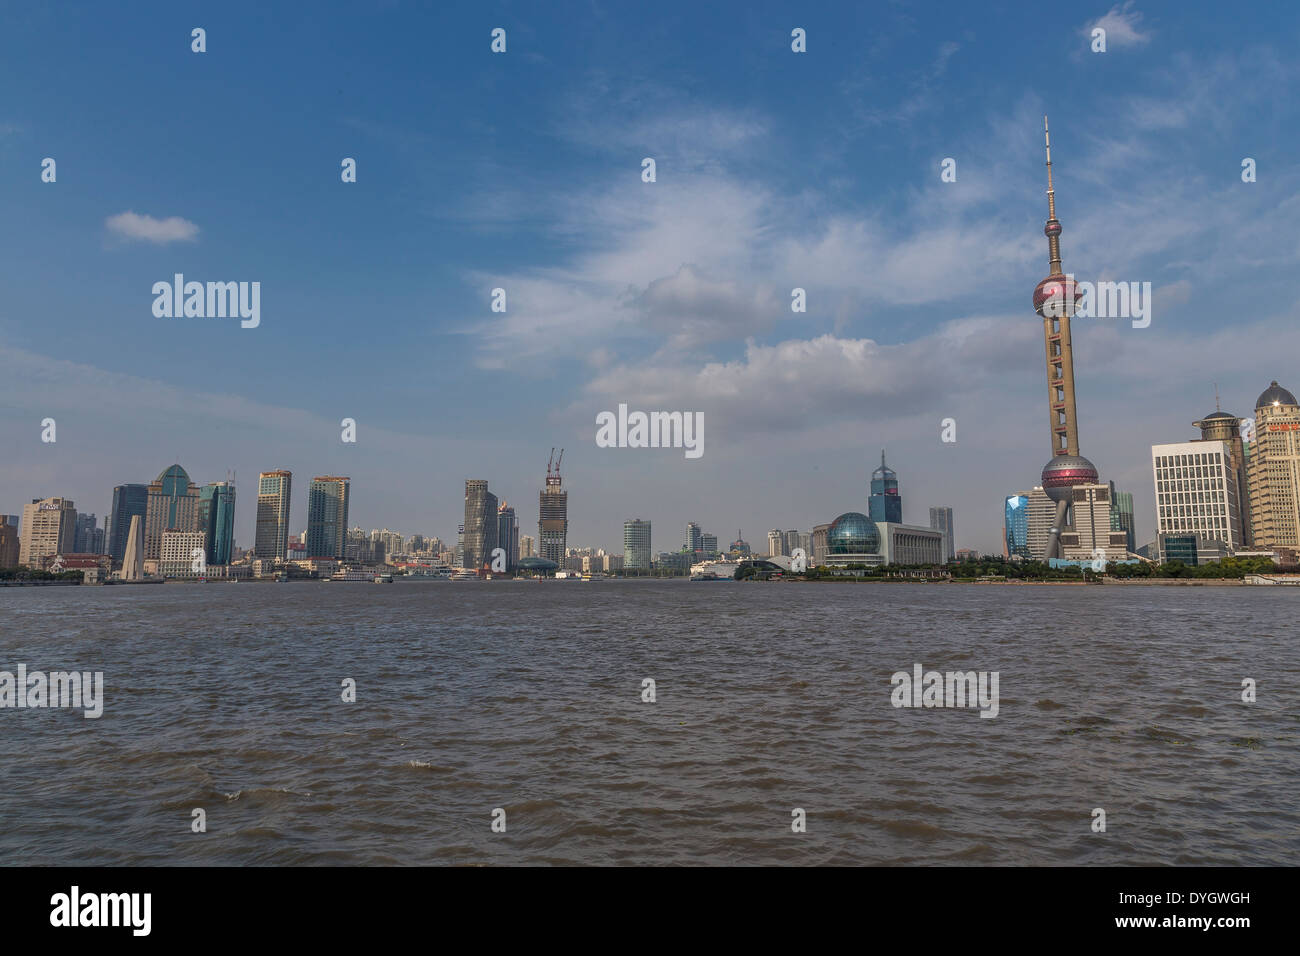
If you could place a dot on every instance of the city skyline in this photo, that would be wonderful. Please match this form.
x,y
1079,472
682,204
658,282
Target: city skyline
x,y
672,294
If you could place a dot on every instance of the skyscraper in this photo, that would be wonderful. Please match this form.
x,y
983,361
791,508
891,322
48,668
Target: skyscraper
x,y
636,545
508,535
1196,491
693,537
1015,527
1121,516
885,503
172,505
271,539
1274,470
217,520
128,501
775,543
8,542
49,528
941,520
1220,426
553,515
1056,299
89,536
480,523
327,516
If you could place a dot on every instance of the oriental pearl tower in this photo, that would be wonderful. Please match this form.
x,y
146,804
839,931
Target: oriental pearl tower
x,y
1055,299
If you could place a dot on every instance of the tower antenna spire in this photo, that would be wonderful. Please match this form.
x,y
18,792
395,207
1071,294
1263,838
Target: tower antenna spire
x,y
1053,228
1216,398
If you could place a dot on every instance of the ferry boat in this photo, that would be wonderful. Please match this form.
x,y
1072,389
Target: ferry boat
x,y
714,571
383,579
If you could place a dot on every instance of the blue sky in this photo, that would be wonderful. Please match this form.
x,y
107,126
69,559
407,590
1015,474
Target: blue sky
x,y
522,170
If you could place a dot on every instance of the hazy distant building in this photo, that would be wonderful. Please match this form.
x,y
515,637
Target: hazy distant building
x,y
694,537
271,539
941,521
9,545
817,555
636,545
527,546
480,523
49,528
327,516
775,542
172,506
1273,471
885,503
553,515
217,520
1196,491
740,545
508,535
89,536
128,501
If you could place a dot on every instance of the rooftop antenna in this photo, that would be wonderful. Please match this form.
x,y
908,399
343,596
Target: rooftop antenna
x,y
1216,398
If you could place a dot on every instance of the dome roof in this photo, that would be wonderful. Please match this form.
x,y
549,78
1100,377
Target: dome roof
x,y
1275,394
174,480
1214,415
536,564
852,533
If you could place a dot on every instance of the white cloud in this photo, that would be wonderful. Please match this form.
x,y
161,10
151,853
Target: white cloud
x,y
132,225
1121,26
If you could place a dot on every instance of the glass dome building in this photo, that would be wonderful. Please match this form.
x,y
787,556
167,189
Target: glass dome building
x,y
852,534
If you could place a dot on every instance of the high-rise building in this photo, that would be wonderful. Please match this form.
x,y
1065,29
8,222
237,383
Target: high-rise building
x,y
217,520
775,543
89,536
636,545
1027,524
885,503
553,515
709,544
1015,527
1273,471
480,523
327,516
1121,516
49,528
172,506
740,546
527,546
508,535
178,552
1056,300
128,501
9,545
1220,426
1090,536
271,539
941,521
1196,491
693,537
817,553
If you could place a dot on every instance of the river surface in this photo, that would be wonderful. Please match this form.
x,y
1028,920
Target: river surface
x,y
527,697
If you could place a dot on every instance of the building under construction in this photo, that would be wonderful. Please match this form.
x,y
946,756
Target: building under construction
x,y
553,514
